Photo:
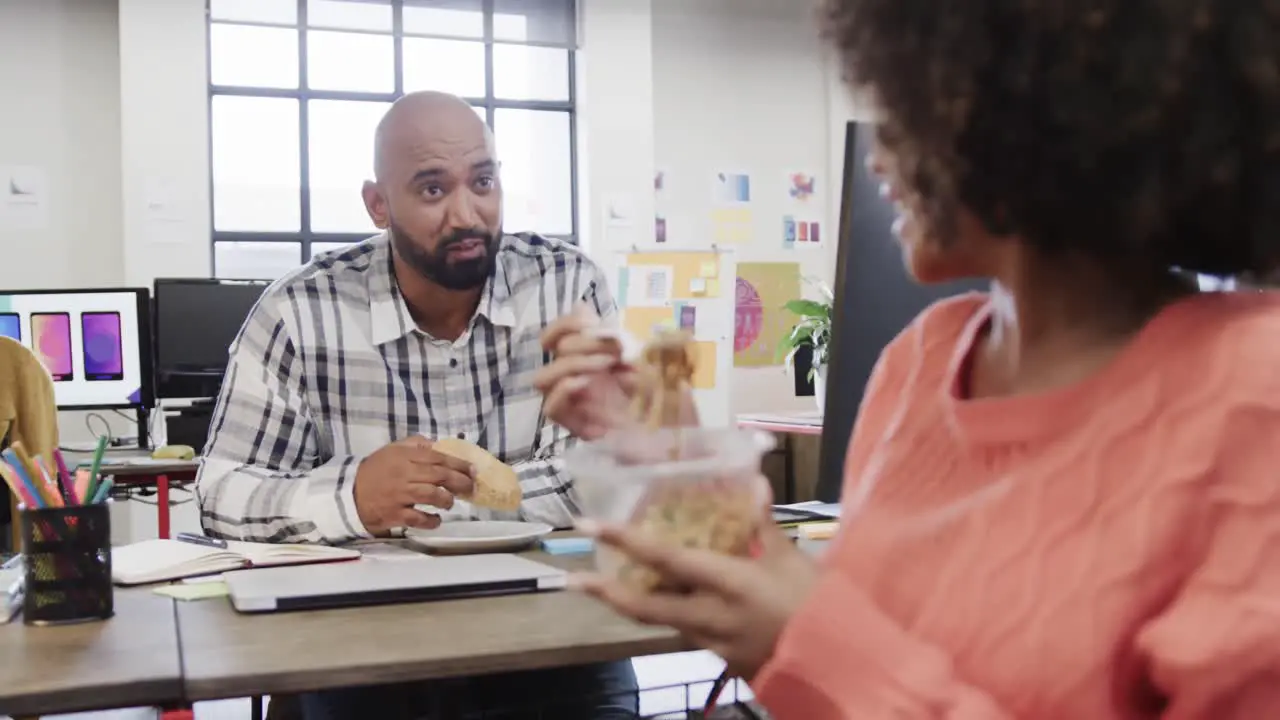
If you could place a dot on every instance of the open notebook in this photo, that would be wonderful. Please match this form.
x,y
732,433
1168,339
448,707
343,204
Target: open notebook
x,y
156,560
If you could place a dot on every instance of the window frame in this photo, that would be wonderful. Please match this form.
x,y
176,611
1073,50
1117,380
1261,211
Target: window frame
x,y
305,236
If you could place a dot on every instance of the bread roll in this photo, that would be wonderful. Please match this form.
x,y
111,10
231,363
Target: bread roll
x,y
497,485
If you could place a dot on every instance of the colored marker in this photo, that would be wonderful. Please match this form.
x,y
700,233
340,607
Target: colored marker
x,y
93,469
65,477
104,489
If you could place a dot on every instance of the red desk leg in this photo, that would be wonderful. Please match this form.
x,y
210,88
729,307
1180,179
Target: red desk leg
x,y
162,505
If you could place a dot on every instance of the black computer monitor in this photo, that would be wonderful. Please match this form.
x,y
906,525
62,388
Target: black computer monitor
x,y
196,320
95,343
875,299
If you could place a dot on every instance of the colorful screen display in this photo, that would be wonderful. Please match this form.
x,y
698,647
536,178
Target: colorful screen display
x,y
51,339
94,343
103,346
11,326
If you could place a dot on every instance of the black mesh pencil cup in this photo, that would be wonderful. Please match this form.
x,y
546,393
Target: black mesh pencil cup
x,y
68,562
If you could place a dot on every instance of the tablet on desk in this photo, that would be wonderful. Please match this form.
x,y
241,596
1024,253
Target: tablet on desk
x,y
375,583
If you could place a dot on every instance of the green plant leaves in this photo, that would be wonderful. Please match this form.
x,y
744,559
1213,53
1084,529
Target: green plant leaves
x,y
809,308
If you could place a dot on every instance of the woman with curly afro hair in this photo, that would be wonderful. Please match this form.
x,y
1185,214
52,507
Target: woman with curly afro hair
x,y
1062,497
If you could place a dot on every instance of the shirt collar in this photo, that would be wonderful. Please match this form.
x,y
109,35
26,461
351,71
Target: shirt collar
x,y
389,317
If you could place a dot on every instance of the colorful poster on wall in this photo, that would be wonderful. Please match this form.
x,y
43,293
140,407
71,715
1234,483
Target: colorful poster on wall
x,y
800,233
760,321
801,187
730,189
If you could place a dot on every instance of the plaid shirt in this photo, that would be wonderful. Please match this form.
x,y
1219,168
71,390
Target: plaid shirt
x,y
329,367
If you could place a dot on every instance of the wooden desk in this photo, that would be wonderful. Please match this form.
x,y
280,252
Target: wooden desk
x,y
227,654
786,425
127,661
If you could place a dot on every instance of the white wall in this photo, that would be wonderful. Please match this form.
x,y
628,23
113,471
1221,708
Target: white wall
x,y
110,96
742,85
59,90
616,87
164,138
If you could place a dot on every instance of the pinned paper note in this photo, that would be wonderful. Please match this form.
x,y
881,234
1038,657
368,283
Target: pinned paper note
x,y
800,233
24,197
709,270
698,286
801,186
731,225
688,317
620,211
649,285
704,364
641,322
731,188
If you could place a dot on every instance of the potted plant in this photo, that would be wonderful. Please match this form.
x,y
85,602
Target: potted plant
x,y
813,330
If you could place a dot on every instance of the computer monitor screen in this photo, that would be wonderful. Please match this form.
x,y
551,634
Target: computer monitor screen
x,y
875,299
196,320
96,344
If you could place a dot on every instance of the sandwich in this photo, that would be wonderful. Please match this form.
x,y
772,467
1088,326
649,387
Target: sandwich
x,y
497,486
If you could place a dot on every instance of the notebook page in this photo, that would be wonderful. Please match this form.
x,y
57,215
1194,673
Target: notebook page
x,y
155,560
263,554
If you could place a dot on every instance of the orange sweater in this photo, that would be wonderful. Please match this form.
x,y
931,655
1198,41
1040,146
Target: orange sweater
x,y
1108,550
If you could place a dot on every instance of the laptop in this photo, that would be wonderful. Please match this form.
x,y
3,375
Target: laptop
x,y
366,582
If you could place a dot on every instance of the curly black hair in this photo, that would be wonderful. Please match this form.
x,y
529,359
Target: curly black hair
x,y
1143,134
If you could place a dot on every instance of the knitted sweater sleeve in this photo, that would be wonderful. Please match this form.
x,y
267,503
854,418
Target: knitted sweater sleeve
x,y
1215,650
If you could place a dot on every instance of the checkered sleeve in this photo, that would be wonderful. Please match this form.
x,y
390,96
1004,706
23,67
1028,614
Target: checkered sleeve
x,y
264,476
549,495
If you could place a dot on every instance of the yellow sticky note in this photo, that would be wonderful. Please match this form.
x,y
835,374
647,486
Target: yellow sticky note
x,y
819,531
194,591
713,288
640,321
709,270
704,375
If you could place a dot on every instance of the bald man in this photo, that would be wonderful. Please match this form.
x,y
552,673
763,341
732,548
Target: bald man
x,y
348,369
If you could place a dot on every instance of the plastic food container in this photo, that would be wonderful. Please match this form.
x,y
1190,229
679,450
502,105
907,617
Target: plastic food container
x,y
694,487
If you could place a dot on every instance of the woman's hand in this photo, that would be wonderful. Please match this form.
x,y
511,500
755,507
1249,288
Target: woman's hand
x,y
587,387
735,607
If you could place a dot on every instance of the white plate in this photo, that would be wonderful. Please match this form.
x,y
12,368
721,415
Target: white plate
x,y
479,536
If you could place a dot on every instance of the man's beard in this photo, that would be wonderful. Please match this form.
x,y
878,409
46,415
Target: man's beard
x,y
436,266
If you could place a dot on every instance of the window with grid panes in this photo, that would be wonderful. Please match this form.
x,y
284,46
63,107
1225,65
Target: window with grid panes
x,y
296,88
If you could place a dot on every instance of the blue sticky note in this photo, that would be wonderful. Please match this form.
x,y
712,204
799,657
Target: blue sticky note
x,y
568,546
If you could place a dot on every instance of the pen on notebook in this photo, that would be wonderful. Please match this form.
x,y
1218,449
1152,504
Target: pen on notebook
x,y
201,540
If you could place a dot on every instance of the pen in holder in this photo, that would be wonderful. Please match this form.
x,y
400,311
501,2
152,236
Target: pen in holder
x,y
67,551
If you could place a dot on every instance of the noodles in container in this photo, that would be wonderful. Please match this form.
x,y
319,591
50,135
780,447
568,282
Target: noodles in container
x,y
691,486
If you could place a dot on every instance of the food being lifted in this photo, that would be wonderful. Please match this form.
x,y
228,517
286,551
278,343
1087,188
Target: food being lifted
x,y
666,373
497,486
695,487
